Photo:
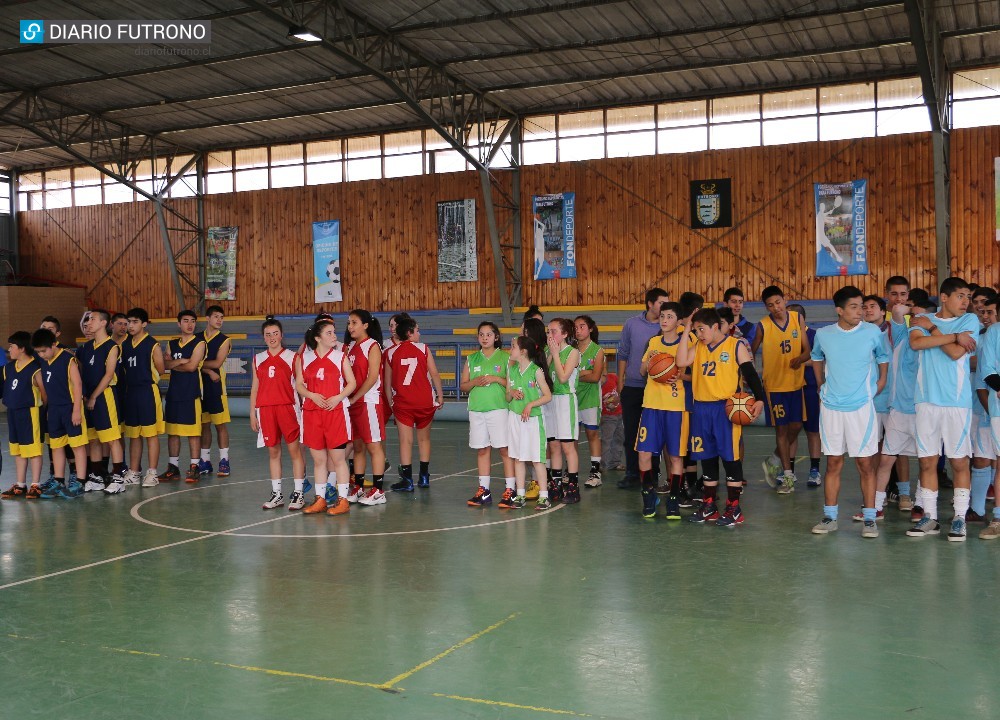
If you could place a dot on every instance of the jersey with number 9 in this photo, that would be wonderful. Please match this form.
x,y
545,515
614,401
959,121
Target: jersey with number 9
x,y
411,382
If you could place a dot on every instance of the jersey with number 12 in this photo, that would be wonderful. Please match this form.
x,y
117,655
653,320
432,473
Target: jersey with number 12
x,y
411,381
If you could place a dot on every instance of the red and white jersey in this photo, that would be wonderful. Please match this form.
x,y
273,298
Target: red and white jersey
x,y
323,374
275,378
411,381
357,353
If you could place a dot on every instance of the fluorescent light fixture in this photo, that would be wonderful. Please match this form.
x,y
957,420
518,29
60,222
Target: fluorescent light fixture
x,y
298,32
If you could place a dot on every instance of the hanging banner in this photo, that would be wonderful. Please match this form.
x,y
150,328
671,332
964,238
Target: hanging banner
x,y
326,261
457,241
841,228
711,203
220,263
555,235
996,194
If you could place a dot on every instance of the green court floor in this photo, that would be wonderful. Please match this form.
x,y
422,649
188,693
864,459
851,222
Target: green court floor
x,y
191,602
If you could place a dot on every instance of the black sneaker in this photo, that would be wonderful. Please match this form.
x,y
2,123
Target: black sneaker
x,y
571,493
555,491
404,485
628,482
673,509
708,512
172,473
649,503
424,481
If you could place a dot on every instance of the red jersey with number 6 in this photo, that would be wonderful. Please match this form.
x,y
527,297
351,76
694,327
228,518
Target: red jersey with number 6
x,y
323,374
411,382
275,378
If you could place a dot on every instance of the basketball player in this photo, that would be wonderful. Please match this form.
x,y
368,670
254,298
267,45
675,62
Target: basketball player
x,y
215,401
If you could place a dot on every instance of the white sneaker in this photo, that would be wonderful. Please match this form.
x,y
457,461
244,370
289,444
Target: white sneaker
x,y
354,493
786,483
296,501
150,479
132,477
772,469
594,480
374,496
93,486
275,501
114,487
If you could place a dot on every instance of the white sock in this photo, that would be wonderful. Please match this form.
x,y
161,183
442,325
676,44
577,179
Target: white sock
x,y
276,486
320,490
331,477
543,494
961,502
299,484
175,461
343,490
595,458
510,483
206,455
879,500
223,453
484,481
930,504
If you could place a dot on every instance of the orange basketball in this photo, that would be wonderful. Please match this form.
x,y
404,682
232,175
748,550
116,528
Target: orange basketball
x,y
738,409
663,368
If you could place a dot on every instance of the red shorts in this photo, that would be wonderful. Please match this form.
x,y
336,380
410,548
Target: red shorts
x,y
325,429
277,422
414,417
367,422
386,407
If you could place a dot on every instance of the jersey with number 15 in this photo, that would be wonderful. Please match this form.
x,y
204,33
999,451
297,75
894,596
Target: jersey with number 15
x,y
411,381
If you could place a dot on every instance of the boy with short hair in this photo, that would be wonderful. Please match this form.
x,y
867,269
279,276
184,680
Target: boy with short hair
x,y
734,299
988,370
943,399
142,359
983,453
23,395
784,349
183,415
215,401
66,424
851,362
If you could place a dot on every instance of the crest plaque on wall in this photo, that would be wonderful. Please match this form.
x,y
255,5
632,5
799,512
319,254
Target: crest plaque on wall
x,y
711,203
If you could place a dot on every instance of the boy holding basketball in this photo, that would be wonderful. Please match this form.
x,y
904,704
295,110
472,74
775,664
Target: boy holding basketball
x,y
851,362
664,423
717,360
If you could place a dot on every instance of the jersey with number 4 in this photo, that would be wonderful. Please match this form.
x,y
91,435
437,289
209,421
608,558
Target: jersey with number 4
x,y
411,381
323,374
275,378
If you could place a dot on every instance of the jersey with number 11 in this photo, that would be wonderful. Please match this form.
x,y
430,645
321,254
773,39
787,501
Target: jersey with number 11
x,y
411,381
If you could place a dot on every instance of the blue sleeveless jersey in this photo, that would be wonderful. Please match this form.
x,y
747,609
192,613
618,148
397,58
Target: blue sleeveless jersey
x,y
55,378
137,361
93,359
18,390
184,385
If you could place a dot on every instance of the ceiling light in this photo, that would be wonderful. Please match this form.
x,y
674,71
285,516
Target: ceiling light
x,y
302,34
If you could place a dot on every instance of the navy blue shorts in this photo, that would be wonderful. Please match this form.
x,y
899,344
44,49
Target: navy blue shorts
x,y
785,408
102,421
712,435
24,430
143,413
661,430
61,429
811,422
183,417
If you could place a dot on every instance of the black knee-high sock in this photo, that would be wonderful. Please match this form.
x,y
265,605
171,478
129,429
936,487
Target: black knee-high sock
x,y
675,485
710,468
734,470
425,467
377,481
814,464
573,478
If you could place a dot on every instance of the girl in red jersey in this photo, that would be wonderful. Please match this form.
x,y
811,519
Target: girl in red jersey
x,y
367,411
410,372
323,377
275,416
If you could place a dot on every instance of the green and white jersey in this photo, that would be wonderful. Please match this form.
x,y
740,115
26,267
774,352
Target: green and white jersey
x,y
493,396
527,383
588,394
568,387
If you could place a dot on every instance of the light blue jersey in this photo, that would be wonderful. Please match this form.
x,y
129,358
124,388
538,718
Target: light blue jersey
x,y
942,381
903,371
978,384
989,362
852,358
882,399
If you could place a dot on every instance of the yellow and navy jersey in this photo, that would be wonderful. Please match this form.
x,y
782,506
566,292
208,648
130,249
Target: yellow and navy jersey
x,y
56,378
19,389
184,385
213,346
137,361
715,374
93,359
663,396
779,346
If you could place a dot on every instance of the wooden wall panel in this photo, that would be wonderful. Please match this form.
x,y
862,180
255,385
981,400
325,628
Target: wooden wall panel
x,y
632,230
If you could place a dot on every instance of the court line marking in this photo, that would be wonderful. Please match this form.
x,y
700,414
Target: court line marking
x,y
126,556
457,646
515,706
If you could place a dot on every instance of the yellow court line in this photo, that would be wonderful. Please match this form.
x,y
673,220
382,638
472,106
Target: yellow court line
x,y
449,651
498,703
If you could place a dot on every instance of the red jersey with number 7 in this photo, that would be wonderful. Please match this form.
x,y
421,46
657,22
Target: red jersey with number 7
x,y
411,381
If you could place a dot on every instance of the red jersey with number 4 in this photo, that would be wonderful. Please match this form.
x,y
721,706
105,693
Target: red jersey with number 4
x,y
411,382
275,378
324,375
357,353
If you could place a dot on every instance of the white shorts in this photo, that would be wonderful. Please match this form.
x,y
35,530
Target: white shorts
x,y
561,419
900,435
526,440
854,432
982,439
883,420
488,429
590,417
950,427
995,433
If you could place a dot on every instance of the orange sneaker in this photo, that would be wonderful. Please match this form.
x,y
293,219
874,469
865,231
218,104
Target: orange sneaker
x,y
318,506
341,507
34,492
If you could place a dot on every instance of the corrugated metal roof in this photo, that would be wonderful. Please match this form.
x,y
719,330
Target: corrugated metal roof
x,y
254,85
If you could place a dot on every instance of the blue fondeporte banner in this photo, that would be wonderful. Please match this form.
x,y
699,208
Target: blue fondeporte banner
x,y
326,261
554,222
841,228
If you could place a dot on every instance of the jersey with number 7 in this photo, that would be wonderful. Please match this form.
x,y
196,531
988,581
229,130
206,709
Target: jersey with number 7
x,y
411,381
